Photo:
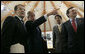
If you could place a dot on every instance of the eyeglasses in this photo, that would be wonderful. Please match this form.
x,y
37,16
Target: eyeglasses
x,y
21,9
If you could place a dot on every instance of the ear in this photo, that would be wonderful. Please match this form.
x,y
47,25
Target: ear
x,y
67,15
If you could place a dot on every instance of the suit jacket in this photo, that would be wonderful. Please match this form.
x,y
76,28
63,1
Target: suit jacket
x,y
71,40
12,32
35,41
56,39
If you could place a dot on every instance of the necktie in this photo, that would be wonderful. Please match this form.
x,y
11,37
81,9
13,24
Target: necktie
x,y
74,25
23,24
22,21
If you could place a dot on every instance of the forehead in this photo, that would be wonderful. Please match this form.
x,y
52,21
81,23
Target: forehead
x,y
21,6
30,13
73,9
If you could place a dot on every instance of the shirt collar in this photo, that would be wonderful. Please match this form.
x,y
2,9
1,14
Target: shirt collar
x,y
59,24
71,19
19,17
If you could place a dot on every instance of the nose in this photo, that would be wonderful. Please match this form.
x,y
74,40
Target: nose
x,y
75,11
23,10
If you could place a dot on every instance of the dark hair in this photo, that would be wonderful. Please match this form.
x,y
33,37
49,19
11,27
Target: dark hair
x,y
15,8
58,16
29,13
67,12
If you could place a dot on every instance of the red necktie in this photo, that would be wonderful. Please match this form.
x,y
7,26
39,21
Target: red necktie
x,y
74,25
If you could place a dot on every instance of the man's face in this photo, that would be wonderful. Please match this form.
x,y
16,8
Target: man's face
x,y
72,13
32,16
20,11
58,19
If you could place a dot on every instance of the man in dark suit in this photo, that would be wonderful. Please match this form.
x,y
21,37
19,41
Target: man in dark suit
x,y
36,43
13,30
57,34
73,33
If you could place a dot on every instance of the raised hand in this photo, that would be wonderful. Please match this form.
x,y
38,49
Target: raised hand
x,y
54,12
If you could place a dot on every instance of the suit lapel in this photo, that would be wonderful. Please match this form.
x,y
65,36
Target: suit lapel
x,y
57,29
70,26
17,19
19,23
77,21
38,29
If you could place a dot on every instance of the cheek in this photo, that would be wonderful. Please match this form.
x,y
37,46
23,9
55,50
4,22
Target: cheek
x,y
70,13
56,19
76,12
32,18
18,12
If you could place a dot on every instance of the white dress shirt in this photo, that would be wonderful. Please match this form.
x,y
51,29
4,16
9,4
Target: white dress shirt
x,y
59,26
75,21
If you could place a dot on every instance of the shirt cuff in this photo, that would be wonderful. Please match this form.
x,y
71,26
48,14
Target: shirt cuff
x,y
45,16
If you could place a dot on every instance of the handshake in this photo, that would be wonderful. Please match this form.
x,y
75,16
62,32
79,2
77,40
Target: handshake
x,y
54,12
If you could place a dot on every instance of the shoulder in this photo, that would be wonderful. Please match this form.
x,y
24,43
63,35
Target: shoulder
x,y
54,27
65,23
28,23
80,18
9,19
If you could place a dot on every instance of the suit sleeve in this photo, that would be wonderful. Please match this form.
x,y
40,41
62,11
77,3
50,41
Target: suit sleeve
x,y
7,32
64,38
36,23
